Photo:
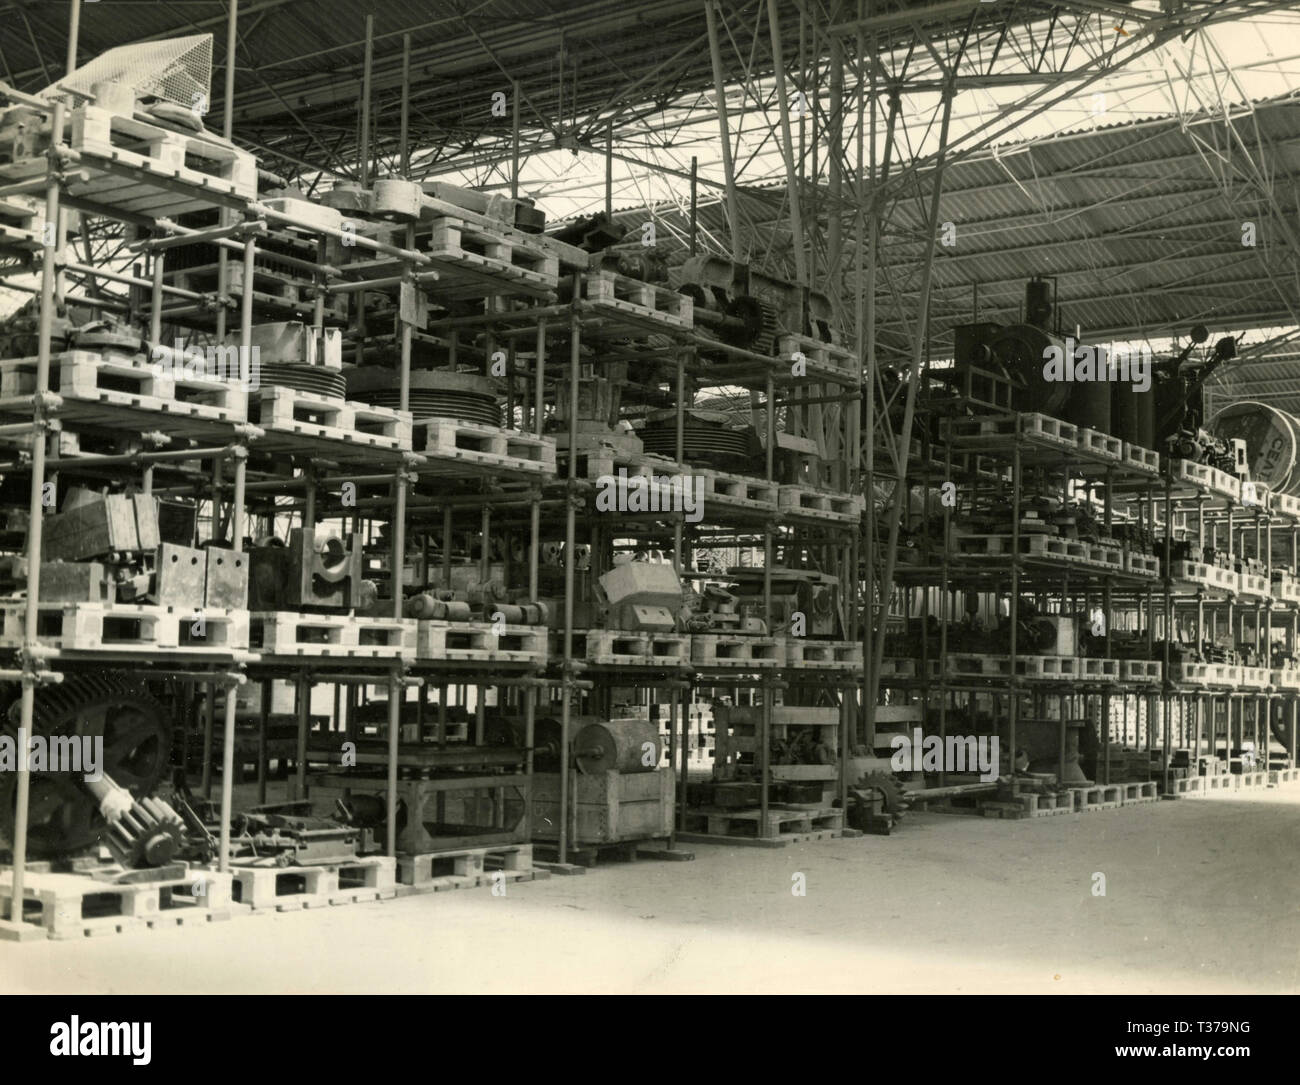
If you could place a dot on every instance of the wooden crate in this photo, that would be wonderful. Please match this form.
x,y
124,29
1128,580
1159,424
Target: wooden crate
x,y
611,806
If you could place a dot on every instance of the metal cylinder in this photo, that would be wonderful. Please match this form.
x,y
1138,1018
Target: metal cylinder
x,y
618,746
1088,404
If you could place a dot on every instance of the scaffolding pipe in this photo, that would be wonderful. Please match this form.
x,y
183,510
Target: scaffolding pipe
x,y
724,128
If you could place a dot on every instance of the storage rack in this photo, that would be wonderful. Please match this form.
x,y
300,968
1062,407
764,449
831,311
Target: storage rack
x,y
278,258
995,453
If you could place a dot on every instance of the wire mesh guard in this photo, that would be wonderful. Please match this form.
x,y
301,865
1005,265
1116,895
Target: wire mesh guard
x,y
176,69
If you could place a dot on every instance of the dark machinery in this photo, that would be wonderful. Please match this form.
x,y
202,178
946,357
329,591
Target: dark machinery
x,y
1017,353
68,813
745,308
320,573
1103,392
1180,396
709,439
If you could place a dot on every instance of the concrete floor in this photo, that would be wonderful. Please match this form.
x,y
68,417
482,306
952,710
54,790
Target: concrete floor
x,y
1201,896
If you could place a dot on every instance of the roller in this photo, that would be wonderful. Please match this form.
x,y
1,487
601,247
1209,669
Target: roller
x,y
429,606
618,746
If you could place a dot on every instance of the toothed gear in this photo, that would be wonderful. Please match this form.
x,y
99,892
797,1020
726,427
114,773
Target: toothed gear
x,y
890,790
63,816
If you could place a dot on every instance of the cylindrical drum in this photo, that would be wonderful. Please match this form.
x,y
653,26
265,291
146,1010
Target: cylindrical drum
x,y
618,746
1089,405
1272,439
1132,414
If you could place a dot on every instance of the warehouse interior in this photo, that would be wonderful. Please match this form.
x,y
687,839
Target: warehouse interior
x,y
573,497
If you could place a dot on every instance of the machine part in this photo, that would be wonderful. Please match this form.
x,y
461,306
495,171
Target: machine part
x,y
517,613
143,832
292,839
291,343
177,70
112,341
710,438
1180,390
591,234
1019,351
890,792
64,815
327,573
314,379
1133,414
1272,438
179,576
430,606
226,584
435,393
1089,402
625,746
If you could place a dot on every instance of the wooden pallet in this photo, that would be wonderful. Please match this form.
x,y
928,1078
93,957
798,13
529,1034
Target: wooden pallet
x,y
1206,675
1254,585
467,868
1022,807
173,171
22,221
481,642
1141,564
81,906
585,855
1100,444
1053,668
118,627
1214,577
806,501
1141,670
898,668
305,414
1137,458
1107,670
334,636
1285,589
1038,429
501,253
717,650
452,446
1287,505
614,647
739,491
1096,797
82,376
292,888
783,825
605,290
824,655
1255,677
1043,547
1138,793
975,665
1285,678
1206,477
819,358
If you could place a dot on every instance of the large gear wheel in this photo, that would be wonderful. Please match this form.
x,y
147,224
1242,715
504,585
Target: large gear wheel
x,y
889,789
63,817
